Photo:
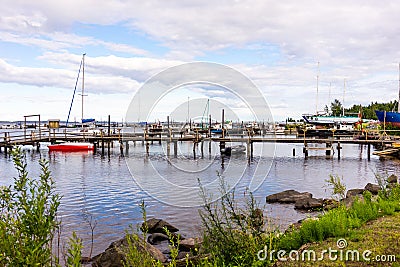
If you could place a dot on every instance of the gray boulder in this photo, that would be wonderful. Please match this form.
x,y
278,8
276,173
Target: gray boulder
x,y
287,196
113,256
309,204
190,243
157,226
373,188
392,179
156,238
354,192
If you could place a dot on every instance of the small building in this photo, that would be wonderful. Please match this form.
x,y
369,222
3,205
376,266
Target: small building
x,y
54,124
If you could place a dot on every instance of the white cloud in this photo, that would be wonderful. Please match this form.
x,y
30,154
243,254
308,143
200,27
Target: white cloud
x,y
356,40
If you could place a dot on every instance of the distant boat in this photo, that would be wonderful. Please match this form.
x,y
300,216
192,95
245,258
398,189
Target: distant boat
x,y
76,146
390,117
72,147
326,119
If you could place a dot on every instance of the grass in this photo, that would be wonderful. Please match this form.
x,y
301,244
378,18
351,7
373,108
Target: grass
x,y
380,236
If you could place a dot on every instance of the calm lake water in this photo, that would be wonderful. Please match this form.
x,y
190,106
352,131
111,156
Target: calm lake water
x,y
109,188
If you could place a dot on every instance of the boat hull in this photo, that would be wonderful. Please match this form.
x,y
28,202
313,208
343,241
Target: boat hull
x,y
71,147
327,120
388,117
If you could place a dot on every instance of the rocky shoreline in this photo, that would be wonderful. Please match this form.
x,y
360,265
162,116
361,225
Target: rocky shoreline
x,y
156,244
157,240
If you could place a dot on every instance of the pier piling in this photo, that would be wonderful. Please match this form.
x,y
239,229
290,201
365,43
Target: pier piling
x,y
369,151
328,149
176,149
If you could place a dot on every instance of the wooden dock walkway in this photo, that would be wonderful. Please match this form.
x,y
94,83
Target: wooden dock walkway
x,y
104,139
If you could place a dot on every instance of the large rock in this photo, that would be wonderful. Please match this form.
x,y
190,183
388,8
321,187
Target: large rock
x,y
288,196
113,256
309,204
354,192
190,243
330,204
373,188
157,226
156,238
392,179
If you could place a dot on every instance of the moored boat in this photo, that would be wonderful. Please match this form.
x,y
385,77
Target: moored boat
x,y
390,117
71,147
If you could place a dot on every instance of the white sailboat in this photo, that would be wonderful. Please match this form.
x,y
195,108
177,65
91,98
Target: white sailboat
x,y
75,146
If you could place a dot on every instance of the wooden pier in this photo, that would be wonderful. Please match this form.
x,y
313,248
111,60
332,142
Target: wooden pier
x,y
106,140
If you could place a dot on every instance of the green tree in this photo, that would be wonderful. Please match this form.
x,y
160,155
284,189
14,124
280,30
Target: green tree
x,y
336,108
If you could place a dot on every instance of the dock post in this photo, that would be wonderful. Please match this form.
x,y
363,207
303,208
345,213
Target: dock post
x,y
127,146
202,148
338,149
5,144
305,151
147,148
109,125
121,148
95,147
369,151
209,147
194,150
102,146
221,146
251,149
328,149
248,150
294,152
168,148
37,146
223,124
175,149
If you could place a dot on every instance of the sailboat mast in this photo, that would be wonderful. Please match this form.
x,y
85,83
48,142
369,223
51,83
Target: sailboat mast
x,y
316,101
344,93
83,82
398,100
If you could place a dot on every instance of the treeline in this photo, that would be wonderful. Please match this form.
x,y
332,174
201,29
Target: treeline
x,y
368,112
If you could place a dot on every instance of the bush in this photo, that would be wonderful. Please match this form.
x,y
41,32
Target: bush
x,y
233,236
28,218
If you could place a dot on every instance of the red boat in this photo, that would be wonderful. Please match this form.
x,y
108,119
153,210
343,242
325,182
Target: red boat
x,y
71,147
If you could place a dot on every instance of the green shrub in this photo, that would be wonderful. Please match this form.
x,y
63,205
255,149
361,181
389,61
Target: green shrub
x,y
74,251
232,235
28,218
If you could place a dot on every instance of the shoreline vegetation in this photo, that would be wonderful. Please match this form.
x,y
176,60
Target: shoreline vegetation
x,y
357,222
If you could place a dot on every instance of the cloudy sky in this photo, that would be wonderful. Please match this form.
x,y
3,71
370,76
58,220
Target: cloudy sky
x,y
277,44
